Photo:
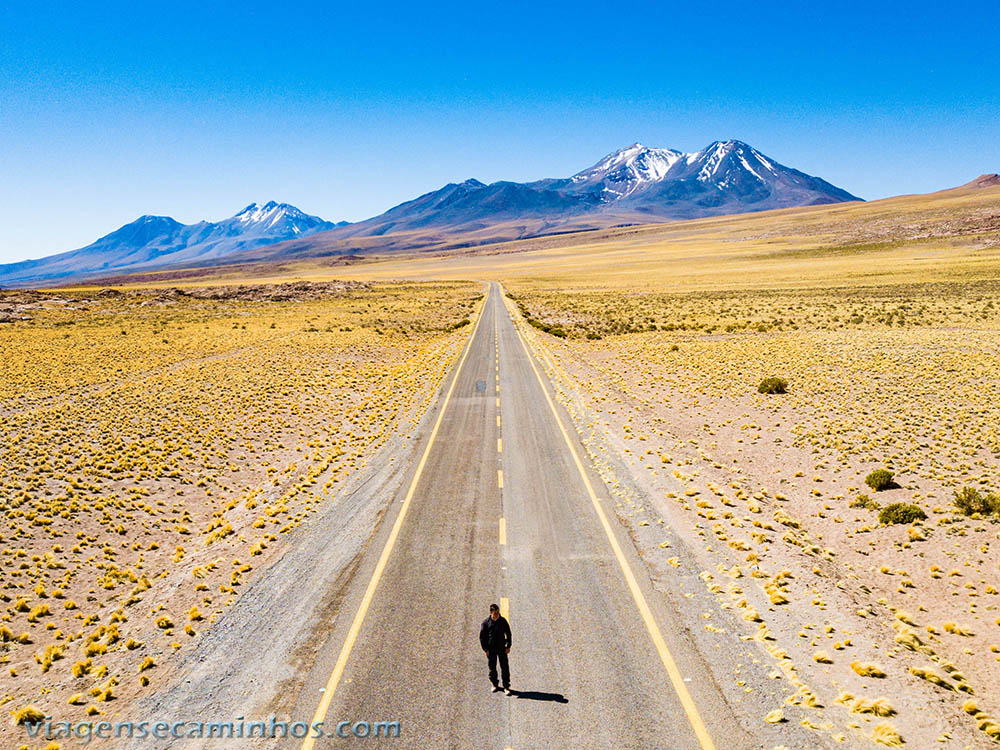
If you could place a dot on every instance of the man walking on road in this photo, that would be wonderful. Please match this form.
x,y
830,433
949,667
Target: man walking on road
x,y
494,637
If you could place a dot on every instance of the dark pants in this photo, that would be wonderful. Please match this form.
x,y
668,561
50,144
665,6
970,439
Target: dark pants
x,y
504,668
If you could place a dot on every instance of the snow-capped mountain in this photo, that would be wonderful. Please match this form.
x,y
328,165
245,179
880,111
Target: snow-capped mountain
x,y
620,174
274,218
155,241
633,184
724,177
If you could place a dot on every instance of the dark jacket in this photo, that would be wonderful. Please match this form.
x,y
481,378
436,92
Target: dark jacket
x,y
494,635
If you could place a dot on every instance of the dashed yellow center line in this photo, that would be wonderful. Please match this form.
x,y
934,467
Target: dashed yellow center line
x,y
500,478
676,679
504,606
503,530
390,542
498,402
498,420
499,445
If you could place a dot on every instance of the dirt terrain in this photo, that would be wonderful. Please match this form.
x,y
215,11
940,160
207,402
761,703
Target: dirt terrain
x,y
168,439
161,449
870,624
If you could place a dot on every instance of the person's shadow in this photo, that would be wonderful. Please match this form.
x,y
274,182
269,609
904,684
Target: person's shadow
x,y
534,695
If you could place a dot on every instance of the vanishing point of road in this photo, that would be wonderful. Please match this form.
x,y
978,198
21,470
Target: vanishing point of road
x,y
503,506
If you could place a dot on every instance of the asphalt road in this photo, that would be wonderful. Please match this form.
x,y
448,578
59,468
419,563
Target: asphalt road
x,y
586,667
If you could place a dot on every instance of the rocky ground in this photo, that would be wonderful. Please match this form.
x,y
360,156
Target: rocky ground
x,y
878,630
163,449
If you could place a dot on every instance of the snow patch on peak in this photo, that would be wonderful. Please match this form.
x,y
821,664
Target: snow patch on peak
x,y
746,165
645,163
760,157
268,214
653,164
714,154
630,167
631,170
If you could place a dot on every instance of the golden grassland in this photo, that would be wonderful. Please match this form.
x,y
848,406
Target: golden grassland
x,y
771,488
911,386
953,235
890,345
950,236
884,320
158,447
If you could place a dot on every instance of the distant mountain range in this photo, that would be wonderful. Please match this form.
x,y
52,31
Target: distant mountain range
x,y
635,184
156,241
657,183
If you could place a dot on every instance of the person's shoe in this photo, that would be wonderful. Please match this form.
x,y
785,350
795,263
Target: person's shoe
x,y
497,688
508,691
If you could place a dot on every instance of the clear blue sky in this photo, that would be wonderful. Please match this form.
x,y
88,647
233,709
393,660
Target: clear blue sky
x,y
111,110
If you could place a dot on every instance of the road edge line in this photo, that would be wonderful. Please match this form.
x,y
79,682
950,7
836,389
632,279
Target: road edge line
x,y
390,542
676,679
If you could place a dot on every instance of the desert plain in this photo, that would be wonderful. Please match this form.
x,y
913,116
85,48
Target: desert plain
x,y
167,438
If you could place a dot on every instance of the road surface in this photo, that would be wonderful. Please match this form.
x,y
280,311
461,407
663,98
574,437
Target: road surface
x,y
501,508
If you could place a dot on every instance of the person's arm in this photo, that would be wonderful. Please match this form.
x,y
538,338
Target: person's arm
x,y
483,636
506,633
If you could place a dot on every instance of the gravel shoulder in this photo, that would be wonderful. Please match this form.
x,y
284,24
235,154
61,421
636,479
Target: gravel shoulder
x,y
699,533
251,663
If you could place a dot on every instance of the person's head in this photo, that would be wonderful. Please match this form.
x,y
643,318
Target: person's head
x,y
494,612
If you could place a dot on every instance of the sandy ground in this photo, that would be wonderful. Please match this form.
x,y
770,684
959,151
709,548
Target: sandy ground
x,y
253,663
163,452
728,487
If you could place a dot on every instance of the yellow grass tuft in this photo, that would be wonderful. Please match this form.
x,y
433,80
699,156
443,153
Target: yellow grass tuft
x,y
877,707
163,622
886,734
932,676
27,715
82,668
867,669
956,629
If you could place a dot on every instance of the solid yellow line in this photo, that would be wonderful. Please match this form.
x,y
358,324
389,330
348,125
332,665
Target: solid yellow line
x,y
687,702
359,617
499,445
504,606
500,478
503,530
